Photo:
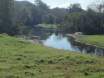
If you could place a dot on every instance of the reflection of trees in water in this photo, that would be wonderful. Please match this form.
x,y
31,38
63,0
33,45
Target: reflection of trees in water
x,y
89,49
59,37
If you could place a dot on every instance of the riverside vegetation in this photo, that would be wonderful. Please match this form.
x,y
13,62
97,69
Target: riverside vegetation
x,y
22,59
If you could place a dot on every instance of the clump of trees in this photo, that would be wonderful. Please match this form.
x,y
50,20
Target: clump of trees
x,y
90,21
21,17
28,15
6,17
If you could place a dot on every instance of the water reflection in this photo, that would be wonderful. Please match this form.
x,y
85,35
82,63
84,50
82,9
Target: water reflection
x,y
59,42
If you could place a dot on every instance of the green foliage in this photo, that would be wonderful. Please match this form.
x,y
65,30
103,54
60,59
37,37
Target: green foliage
x,y
28,15
72,22
88,22
21,59
23,17
6,17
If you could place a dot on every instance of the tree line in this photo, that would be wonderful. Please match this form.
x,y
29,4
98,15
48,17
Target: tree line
x,y
21,17
90,21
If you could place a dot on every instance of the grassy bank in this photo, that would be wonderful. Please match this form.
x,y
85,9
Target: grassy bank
x,y
49,26
21,59
97,40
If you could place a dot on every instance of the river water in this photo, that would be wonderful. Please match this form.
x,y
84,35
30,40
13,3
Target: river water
x,y
59,42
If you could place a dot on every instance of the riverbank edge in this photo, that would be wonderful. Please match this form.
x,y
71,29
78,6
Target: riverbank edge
x,y
75,40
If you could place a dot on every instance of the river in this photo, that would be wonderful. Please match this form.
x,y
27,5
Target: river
x,y
60,41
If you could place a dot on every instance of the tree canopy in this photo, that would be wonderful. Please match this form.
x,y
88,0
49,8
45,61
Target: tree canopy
x,y
21,17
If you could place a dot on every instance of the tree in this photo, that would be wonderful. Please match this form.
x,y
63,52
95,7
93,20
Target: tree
x,y
88,22
75,8
42,10
6,19
59,14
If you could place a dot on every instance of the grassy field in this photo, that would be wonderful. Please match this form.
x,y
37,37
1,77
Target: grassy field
x,y
97,40
21,59
50,26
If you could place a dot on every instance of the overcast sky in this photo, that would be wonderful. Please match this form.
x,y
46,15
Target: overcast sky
x,y
65,3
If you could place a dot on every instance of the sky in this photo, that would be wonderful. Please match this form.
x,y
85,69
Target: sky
x,y
65,3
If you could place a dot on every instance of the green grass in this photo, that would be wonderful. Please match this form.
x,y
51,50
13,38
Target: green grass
x,y
97,40
21,59
50,26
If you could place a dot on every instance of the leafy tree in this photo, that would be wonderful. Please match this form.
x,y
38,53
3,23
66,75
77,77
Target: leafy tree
x,y
88,22
42,10
75,8
6,20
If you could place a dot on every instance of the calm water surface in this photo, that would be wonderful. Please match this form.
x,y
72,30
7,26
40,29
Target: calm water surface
x,y
59,42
